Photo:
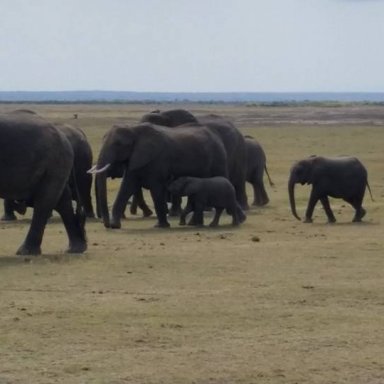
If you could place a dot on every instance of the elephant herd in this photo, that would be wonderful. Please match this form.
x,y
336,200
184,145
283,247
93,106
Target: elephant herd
x,y
172,154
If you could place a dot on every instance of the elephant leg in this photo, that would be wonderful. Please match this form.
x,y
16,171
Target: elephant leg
x,y
176,206
9,214
74,223
199,214
43,205
134,205
128,187
359,210
138,198
241,195
240,213
327,209
159,196
260,196
263,198
188,209
256,195
216,218
85,194
313,199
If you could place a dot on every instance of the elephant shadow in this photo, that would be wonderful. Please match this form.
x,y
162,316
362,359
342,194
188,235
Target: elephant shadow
x,y
59,258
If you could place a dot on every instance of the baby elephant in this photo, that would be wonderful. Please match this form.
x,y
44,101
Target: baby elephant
x,y
342,177
217,192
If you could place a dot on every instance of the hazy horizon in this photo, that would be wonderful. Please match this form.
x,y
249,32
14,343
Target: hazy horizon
x,y
183,46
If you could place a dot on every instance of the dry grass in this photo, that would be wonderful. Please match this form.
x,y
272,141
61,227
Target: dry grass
x,y
275,301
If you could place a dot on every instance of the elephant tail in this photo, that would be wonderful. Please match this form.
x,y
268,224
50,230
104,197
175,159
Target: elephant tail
x,y
271,183
370,192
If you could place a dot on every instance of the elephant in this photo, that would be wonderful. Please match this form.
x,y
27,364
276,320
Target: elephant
x,y
82,162
216,192
227,132
170,118
36,162
153,155
339,177
256,165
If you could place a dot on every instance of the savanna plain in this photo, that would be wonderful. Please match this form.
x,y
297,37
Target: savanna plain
x,y
272,301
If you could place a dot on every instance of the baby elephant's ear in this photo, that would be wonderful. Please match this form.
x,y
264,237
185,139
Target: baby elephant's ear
x,y
181,186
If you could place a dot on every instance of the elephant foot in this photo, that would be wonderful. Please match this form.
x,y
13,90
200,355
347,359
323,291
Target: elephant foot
x,y
78,247
260,203
357,218
174,212
115,224
308,220
90,215
26,250
7,217
147,213
213,224
242,218
162,224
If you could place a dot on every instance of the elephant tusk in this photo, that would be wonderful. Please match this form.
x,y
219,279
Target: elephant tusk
x,y
94,169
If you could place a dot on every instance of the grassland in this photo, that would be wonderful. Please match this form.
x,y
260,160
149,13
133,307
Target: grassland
x,y
274,301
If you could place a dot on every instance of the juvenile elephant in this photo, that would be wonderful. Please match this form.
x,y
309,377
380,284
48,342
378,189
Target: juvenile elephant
x,y
256,165
340,177
152,156
216,192
36,160
82,162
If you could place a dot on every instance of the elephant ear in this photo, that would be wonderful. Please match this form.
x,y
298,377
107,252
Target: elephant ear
x,y
309,168
191,187
149,144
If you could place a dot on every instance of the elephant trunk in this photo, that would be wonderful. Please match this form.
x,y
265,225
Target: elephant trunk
x,y
102,202
291,192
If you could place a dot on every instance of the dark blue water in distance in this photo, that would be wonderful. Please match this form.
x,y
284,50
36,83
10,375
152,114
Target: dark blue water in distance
x,y
239,97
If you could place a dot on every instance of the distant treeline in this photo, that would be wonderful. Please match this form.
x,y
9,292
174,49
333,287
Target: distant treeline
x,y
250,98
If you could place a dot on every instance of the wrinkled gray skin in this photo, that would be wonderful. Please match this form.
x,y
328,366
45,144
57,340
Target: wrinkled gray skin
x,y
341,177
36,161
256,165
217,192
82,162
229,135
153,155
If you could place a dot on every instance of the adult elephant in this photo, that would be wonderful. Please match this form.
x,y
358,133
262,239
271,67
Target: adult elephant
x,y
229,135
256,165
36,162
82,162
342,177
153,155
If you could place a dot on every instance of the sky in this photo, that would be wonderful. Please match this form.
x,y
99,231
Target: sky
x,y
192,45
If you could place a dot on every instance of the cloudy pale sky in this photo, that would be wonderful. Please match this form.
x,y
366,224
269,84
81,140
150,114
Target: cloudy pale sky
x,y
192,45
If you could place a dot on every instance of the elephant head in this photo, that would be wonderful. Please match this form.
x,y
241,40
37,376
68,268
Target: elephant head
x,y
301,172
184,186
129,147
178,186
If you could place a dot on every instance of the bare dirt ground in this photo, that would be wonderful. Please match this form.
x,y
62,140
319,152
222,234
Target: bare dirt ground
x,y
274,301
